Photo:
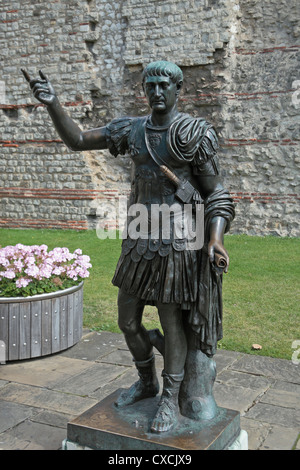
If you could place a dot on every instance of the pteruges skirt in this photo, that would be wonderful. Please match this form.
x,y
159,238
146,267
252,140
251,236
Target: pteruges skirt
x,y
167,279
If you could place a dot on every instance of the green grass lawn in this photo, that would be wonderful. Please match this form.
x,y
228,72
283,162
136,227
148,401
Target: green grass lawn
x,y
260,292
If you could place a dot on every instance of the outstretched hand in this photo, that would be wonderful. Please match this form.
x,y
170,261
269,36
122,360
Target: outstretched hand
x,y
41,88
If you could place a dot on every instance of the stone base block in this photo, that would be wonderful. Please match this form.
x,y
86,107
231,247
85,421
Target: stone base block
x,y
105,427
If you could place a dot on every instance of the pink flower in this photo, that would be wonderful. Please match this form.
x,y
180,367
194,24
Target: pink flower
x,y
3,261
58,270
22,282
30,260
72,274
32,271
9,274
18,264
44,272
19,246
56,255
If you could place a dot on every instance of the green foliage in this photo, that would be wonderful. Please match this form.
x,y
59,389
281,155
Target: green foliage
x,y
9,289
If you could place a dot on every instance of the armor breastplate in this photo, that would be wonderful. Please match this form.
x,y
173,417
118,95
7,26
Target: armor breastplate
x,y
151,187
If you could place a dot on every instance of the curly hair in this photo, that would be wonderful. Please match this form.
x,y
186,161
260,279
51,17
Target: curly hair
x,y
163,68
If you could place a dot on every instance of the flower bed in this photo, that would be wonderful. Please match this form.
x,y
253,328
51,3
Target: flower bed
x,y
41,299
31,270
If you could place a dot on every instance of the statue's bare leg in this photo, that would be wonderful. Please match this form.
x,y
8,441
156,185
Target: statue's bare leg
x,y
130,317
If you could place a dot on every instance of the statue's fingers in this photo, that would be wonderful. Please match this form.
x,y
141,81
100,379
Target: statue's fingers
x,y
43,76
36,82
227,265
225,254
211,254
40,93
226,269
38,85
27,77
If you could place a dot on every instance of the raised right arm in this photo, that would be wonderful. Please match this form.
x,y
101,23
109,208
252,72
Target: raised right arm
x,y
72,135
68,130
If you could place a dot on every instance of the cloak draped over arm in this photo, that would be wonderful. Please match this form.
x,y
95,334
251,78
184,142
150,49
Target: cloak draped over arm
x,y
205,316
194,140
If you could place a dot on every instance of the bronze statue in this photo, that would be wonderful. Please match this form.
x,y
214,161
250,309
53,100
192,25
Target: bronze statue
x,y
174,161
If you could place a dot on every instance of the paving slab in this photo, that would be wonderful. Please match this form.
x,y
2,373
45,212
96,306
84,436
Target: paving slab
x,y
124,380
45,398
95,345
287,387
280,438
2,383
90,380
12,414
33,436
257,432
121,357
52,418
243,397
241,379
43,372
226,359
280,369
268,413
282,398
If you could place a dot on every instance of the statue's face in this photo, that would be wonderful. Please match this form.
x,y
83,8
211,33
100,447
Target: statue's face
x,y
161,93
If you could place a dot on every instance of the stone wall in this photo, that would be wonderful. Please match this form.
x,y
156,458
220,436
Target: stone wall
x,y
239,59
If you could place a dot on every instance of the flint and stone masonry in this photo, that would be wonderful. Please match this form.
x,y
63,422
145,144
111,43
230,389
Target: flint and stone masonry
x,y
240,60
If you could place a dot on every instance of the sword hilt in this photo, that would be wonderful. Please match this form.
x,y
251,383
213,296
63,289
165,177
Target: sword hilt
x,y
172,177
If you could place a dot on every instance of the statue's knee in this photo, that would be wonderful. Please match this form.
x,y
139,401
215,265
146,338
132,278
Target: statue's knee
x,y
130,311
128,327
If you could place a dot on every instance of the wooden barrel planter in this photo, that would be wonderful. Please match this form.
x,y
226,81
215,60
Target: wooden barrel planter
x,y
42,324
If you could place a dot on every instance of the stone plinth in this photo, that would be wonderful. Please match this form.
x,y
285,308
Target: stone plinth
x,y
104,427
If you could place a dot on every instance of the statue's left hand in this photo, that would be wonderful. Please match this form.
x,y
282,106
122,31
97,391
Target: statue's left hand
x,y
41,88
215,247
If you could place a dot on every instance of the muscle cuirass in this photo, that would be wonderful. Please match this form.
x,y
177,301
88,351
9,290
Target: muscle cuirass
x,y
169,221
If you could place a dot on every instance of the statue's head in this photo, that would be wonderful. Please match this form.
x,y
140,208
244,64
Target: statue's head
x,y
162,82
164,68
